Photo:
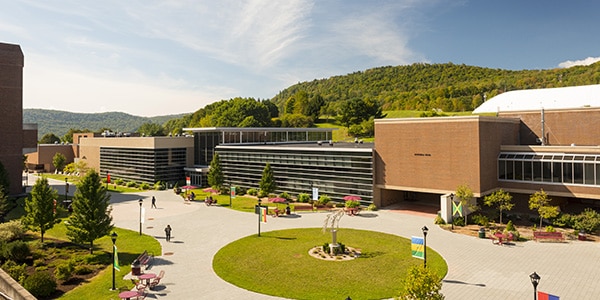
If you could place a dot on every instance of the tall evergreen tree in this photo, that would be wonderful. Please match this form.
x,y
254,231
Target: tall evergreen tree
x,y
215,173
4,180
267,182
4,204
91,217
40,210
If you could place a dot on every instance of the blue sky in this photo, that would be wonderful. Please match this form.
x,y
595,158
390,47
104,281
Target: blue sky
x,y
151,58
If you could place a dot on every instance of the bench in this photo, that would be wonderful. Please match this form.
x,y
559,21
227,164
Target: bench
x,y
143,260
501,238
352,211
543,235
303,208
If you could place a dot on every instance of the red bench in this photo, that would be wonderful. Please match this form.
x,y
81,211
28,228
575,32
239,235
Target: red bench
x,y
303,207
543,235
501,238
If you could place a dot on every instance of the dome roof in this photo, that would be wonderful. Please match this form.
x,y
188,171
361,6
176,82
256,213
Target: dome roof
x,y
552,98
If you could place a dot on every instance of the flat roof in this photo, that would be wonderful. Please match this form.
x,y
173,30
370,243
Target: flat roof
x,y
345,146
254,129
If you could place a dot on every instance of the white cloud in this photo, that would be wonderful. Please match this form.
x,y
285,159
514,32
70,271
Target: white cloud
x,y
582,62
47,84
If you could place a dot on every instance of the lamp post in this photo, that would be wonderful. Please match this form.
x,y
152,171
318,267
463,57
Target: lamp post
x,y
425,229
230,191
140,202
66,188
259,216
452,200
535,279
113,237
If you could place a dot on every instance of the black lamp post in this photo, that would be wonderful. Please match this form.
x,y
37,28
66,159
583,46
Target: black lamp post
x,y
535,279
452,200
140,202
113,237
425,229
259,216
66,188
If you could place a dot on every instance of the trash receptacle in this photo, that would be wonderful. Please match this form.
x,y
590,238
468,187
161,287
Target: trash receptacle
x,y
581,236
482,233
136,268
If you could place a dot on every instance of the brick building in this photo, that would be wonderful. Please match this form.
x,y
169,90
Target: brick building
x,y
17,138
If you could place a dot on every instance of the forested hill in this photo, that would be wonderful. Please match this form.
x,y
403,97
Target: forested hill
x,y
420,86
60,122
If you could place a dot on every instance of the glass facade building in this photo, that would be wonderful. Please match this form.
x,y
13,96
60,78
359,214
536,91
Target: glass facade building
x,y
337,171
143,165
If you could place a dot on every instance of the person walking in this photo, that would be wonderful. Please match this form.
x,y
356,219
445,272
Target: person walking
x,y
153,202
168,233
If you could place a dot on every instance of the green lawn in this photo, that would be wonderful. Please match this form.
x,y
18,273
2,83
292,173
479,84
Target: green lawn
x,y
279,264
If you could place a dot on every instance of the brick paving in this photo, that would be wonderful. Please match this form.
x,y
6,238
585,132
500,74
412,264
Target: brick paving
x,y
477,269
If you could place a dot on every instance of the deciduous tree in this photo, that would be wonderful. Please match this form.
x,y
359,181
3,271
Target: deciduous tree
x,y
58,161
539,201
40,208
501,200
91,218
421,284
464,195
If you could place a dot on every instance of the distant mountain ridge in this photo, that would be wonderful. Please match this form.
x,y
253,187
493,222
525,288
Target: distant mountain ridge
x,y
59,122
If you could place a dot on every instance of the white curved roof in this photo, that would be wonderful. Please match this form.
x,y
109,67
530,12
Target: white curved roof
x,y
553,98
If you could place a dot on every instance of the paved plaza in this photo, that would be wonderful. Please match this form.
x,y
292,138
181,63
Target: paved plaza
x,y
477,269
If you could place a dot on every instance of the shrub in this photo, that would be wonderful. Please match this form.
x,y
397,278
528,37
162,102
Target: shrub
x,y
303,197
510,226
324,199
285,195
588,221
373,207
421,283
12,230
159,186
481,220
144,186
40,284
564,220
550,229
352,204
252,192
131,184
459,222
326,248
119,181
64,271
17,251
17,272
439,220
262,194
82,270
240,190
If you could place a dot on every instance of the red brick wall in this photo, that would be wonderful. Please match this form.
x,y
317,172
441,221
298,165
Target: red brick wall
x,y
11,114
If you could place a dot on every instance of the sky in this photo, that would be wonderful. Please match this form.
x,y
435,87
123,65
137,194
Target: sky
x,y
154,58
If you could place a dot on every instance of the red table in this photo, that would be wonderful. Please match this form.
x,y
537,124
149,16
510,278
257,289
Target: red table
x,y
128,294
147,277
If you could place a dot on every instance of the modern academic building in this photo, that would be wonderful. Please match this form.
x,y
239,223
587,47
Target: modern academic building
x,y
301,159
519,141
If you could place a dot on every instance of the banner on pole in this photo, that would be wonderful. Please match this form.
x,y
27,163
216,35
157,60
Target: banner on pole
x,y
457,209
546,296
315,194
233,192
263,214
417,247
116,260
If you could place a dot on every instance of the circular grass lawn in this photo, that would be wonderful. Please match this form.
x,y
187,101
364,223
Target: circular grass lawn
x,y
278,263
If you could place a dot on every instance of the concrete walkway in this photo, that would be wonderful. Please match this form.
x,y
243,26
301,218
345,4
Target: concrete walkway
x,y
477,269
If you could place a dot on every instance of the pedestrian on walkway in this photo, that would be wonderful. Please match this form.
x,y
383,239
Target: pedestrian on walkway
x,y
168,233
153,202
